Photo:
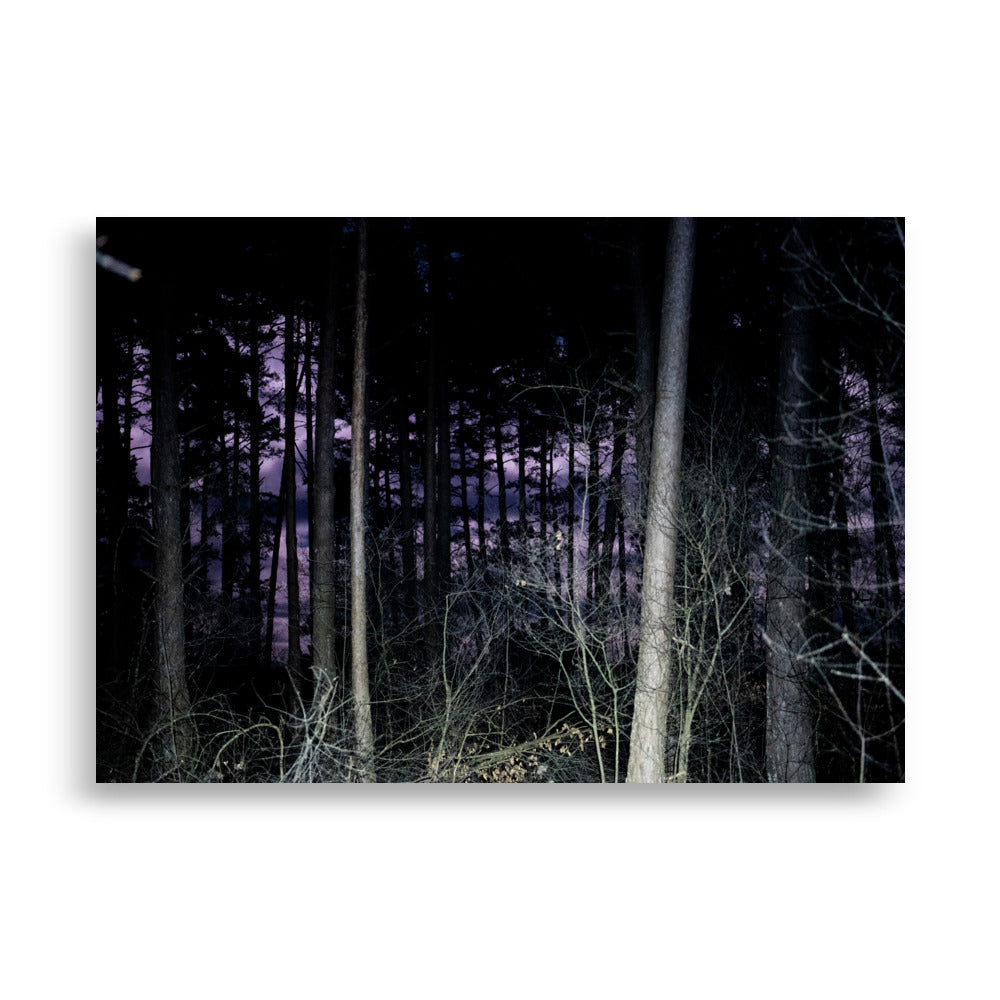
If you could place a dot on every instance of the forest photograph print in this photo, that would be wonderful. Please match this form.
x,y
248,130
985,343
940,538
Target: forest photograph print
x,y
500,500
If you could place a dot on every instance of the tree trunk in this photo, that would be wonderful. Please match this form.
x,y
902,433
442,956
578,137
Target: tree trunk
x,y
501,484
322,577
294,660
612,505
571,519
272,587
234,489
543,486
593,514
886,558
310,456
463,468
363,734
481,483
522,479
790,726
444,483
174,736
645,367
115,470
227,518
255,518
653,673
430,587
406,510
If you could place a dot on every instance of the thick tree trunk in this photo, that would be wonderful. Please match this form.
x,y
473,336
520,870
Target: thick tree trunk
x,y
322,567
363,733
174,734
790,724
653,673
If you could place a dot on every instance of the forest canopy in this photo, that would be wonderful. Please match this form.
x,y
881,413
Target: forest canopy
x,y
500,500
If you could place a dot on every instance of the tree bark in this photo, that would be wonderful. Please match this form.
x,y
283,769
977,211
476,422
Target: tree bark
x,y
430,552
406,509
571,519
363,733
255,514
645,367
481,482
653,673
294,658
593,514
790,725
174,735
463,468
310,456
443,482
522,479
272,586
612,505
115,481
322,568
501,484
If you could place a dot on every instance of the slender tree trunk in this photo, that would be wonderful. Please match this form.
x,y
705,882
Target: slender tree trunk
x,y
656,633
234,488
255,516
406,511
116,479
363,734
310,457
593,515
522,478
444,483
174,735
645,367
790,724
481,483
887,560
463,467
501,485
272,586
571,519
612,506
227,505
543,486
205,531
553,508
322,577
294,660
430,553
